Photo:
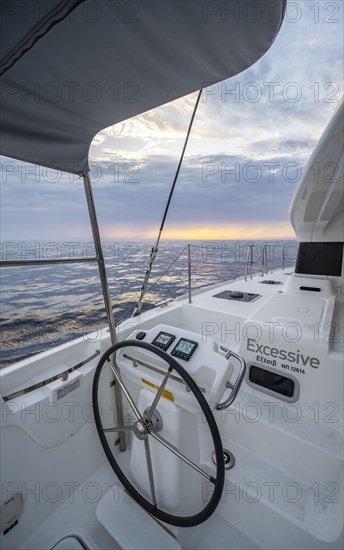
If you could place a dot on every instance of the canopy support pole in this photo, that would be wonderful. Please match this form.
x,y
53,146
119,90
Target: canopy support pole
x,y
106,294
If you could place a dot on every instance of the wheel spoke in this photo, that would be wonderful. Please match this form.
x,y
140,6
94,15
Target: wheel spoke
x,y
175,451
157,396
124,390
119,429
150,470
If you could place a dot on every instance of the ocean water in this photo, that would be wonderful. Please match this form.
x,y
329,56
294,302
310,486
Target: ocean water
x,y
46,305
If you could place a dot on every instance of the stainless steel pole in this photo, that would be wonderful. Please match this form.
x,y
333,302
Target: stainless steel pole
x,y
106,295
249,260
189,273
263,260
266,259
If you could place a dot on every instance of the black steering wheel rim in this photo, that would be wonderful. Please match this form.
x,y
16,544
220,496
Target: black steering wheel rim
x,y
218,481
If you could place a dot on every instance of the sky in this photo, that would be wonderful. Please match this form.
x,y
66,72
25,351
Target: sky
x,y
250,142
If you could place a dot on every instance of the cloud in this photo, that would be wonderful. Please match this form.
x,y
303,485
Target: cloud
x,y
250,141
211,190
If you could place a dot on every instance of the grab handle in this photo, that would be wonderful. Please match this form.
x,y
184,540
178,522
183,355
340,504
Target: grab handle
x,y
236,386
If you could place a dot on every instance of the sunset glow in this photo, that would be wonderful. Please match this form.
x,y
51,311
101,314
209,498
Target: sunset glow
x,y
281,230
224,232
251,139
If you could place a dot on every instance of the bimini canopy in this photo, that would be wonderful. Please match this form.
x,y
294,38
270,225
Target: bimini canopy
x,y
70,68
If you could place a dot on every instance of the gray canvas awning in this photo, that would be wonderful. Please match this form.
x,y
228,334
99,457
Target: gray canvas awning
x,y
71,71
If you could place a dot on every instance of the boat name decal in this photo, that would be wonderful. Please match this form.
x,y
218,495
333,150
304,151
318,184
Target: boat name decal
x,y
292,356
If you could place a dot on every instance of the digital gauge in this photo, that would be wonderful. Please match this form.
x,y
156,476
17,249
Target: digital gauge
x,y
163,340
184,349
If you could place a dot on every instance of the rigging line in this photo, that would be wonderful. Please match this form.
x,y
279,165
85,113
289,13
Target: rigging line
x,y
148,289
158,298
154,251
125,315
166,270
179,166
175,284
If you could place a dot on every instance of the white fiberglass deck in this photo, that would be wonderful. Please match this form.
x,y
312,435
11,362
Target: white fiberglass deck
x,y
286,488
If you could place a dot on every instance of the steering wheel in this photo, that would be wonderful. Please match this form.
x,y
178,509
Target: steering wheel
x,y
145,428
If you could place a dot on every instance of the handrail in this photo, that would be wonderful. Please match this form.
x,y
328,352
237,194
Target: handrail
x,y
265,260
61,376
248,268
19,263
139,362
236,386
249,260
265,264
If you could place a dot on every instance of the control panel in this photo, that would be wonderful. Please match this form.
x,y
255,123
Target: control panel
x,y
201,358
184,349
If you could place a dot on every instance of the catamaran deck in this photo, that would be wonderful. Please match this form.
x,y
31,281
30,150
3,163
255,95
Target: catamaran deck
x,y
270,438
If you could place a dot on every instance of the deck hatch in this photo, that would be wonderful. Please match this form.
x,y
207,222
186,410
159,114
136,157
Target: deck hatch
x,y
237,296
270,282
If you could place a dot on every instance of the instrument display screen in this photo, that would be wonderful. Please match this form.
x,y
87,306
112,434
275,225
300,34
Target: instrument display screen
x,y
163,340
184,349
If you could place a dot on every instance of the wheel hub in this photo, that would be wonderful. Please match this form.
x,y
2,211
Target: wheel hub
x,y
144,426
141,429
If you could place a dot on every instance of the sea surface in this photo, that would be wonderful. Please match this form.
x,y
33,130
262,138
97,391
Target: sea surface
x,y
46,305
